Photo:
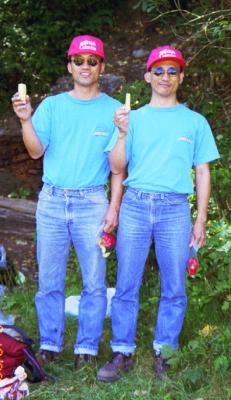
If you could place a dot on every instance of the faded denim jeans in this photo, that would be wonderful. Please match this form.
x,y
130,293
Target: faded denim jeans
x,y
163,218
65,216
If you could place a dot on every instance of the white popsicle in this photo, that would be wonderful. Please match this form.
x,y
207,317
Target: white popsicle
x,y
22,91
128,101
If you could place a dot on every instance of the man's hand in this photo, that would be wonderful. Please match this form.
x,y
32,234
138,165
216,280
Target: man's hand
x,y
198,238
110,220
22,109
121,120
203,188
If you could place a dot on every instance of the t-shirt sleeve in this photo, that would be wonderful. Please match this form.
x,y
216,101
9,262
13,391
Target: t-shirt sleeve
x,y
128,143
205,146
112,142
41,121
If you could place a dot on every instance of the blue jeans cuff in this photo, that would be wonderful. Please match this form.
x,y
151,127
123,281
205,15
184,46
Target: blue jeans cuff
x,y
123,349
50,347
85,350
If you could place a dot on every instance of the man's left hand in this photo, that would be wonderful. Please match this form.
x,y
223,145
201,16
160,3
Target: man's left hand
x,y
110,220
198,234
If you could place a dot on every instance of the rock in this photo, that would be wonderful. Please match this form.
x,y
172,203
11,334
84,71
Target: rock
x,y
140,53
111,83
3,290
3,263
6,319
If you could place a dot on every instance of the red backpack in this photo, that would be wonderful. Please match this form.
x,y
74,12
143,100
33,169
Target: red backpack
x,y
16,349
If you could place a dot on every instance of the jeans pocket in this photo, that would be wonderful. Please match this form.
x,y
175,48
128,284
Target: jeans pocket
x,y
129,196
175,199
96,197
44,195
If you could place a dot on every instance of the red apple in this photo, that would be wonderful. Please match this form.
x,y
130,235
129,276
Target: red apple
x,y
192,267
107,243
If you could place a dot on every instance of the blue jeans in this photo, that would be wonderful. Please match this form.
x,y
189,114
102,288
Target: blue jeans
x,y
165,219
65,216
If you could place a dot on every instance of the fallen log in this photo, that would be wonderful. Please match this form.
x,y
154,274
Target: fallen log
x,y
17,217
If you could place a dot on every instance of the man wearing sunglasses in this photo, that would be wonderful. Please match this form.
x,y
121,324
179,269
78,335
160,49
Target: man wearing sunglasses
x,y
160,142
71,130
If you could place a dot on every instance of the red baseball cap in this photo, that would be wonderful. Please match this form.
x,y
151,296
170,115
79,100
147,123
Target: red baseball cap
x,y
86,44
165,53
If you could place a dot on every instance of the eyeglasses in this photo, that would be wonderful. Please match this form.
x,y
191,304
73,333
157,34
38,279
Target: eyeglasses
x,y
171,71
91,61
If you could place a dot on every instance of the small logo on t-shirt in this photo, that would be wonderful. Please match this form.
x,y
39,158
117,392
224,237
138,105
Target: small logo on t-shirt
x,y
100,133
101,130
184,139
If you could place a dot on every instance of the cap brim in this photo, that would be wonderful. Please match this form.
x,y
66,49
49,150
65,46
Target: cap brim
x,y
179,61
73,53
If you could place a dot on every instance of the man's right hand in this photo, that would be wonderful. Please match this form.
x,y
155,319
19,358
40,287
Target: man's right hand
x,y
21,108
121,120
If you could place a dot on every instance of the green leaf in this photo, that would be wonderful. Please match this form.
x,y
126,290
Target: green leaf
x,y
225,306
193,374
20,278
221,362
167,351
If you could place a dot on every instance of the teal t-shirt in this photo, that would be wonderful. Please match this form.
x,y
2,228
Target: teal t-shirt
x,y
162,145
75,133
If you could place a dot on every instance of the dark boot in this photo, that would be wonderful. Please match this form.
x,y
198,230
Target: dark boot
x,y
44,357
113,369
160,367
84,359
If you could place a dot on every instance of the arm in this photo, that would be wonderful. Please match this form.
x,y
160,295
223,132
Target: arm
x,y
117,156
23,110
203,189
111,217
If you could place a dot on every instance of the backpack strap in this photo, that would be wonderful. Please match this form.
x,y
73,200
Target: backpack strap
x,y
38,374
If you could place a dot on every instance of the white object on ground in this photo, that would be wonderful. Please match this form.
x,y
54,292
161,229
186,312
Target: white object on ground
x,y
72,304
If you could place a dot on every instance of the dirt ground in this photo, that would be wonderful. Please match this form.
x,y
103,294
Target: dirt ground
x,y
21,252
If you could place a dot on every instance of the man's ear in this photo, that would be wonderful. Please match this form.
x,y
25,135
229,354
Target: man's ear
x,y
181,77
69,68
147,77
102,67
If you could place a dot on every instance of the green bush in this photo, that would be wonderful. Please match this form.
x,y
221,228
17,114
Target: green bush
x,y
36,36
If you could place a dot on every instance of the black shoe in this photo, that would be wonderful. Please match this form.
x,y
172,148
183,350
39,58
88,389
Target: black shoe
x,y
160,367
113,369
84,359
45,357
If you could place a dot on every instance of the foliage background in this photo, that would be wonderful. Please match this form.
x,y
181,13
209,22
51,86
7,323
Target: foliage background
x,y
35,37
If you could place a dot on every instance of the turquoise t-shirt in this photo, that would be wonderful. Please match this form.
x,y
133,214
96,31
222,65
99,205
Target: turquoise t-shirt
x,y
162,145
75,133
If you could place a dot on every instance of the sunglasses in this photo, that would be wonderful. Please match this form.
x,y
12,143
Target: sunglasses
x,y
171,71
91,61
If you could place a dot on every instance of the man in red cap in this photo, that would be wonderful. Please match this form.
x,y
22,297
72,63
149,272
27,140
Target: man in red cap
x,y
160,143
71,130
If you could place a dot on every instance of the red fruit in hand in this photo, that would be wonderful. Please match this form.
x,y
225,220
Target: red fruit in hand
x,y
192,267
107,243
108,240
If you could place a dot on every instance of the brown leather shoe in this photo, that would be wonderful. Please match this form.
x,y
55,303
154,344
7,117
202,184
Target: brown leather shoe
x,y
113,369
44,357
160,367
84,359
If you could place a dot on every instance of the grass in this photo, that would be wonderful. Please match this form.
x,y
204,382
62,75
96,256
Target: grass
x,y
199,371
